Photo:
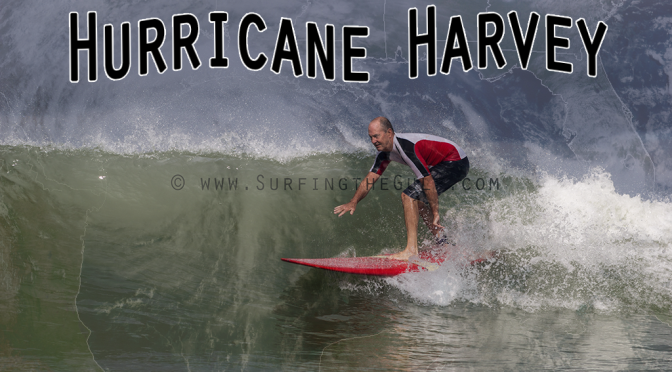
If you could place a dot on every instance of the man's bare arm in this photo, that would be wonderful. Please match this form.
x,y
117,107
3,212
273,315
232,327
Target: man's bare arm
x,y
429,187
362,190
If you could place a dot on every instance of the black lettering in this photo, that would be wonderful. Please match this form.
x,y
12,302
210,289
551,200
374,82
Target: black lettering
x,y
314,45
302,182
315,186
218,184
187,42
369,185
88,44
285,38
233,184
219,61
277,184
525,43
154,47
463,181
108,53
341,185
552,42
397,182
383,183
486,41
415,40
328,184
593,45
350,53
288,184
494,183
243,47
260,181
456,36
482,187
205,185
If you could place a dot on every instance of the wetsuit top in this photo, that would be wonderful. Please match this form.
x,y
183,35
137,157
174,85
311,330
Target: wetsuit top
x,y
418,151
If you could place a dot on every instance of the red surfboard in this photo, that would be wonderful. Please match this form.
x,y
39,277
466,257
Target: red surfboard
x,y
428,260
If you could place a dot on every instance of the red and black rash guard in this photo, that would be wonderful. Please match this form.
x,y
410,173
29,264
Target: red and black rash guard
x,y
418,151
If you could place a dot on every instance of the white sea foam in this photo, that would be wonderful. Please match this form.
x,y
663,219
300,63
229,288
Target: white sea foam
x,y
568,244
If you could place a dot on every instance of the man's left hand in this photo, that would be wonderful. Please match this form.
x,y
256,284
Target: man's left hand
x,y
436,226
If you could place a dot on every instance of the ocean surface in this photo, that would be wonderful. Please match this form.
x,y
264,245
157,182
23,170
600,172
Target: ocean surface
x,y
142,221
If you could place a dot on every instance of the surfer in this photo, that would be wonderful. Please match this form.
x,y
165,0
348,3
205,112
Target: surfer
x,y
437,163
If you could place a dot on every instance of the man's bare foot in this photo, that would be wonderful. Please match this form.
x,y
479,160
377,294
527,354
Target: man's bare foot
x,y
403,255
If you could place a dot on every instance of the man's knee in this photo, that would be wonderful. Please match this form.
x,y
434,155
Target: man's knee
x,y
406,198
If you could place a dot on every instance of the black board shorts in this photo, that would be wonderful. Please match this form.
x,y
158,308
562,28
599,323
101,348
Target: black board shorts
x,y
445,175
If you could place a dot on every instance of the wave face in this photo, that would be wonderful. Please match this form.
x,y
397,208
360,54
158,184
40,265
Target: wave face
x,y
512,115
142,220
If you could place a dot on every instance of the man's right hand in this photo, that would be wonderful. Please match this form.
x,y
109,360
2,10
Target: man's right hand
x,y
341,209
362,190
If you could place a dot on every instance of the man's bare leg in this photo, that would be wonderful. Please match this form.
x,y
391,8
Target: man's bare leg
x,y
411,216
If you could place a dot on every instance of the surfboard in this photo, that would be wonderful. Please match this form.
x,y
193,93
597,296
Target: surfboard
x,y
428,260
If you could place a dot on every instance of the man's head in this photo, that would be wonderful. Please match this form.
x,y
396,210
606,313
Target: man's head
x,y
381,134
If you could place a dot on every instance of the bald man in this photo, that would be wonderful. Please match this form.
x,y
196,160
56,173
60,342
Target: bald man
x,y
437,163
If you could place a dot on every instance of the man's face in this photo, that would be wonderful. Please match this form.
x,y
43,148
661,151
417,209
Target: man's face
x,y
383,141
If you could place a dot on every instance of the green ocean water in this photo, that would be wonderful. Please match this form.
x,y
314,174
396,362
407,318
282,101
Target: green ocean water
x,y
114,262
